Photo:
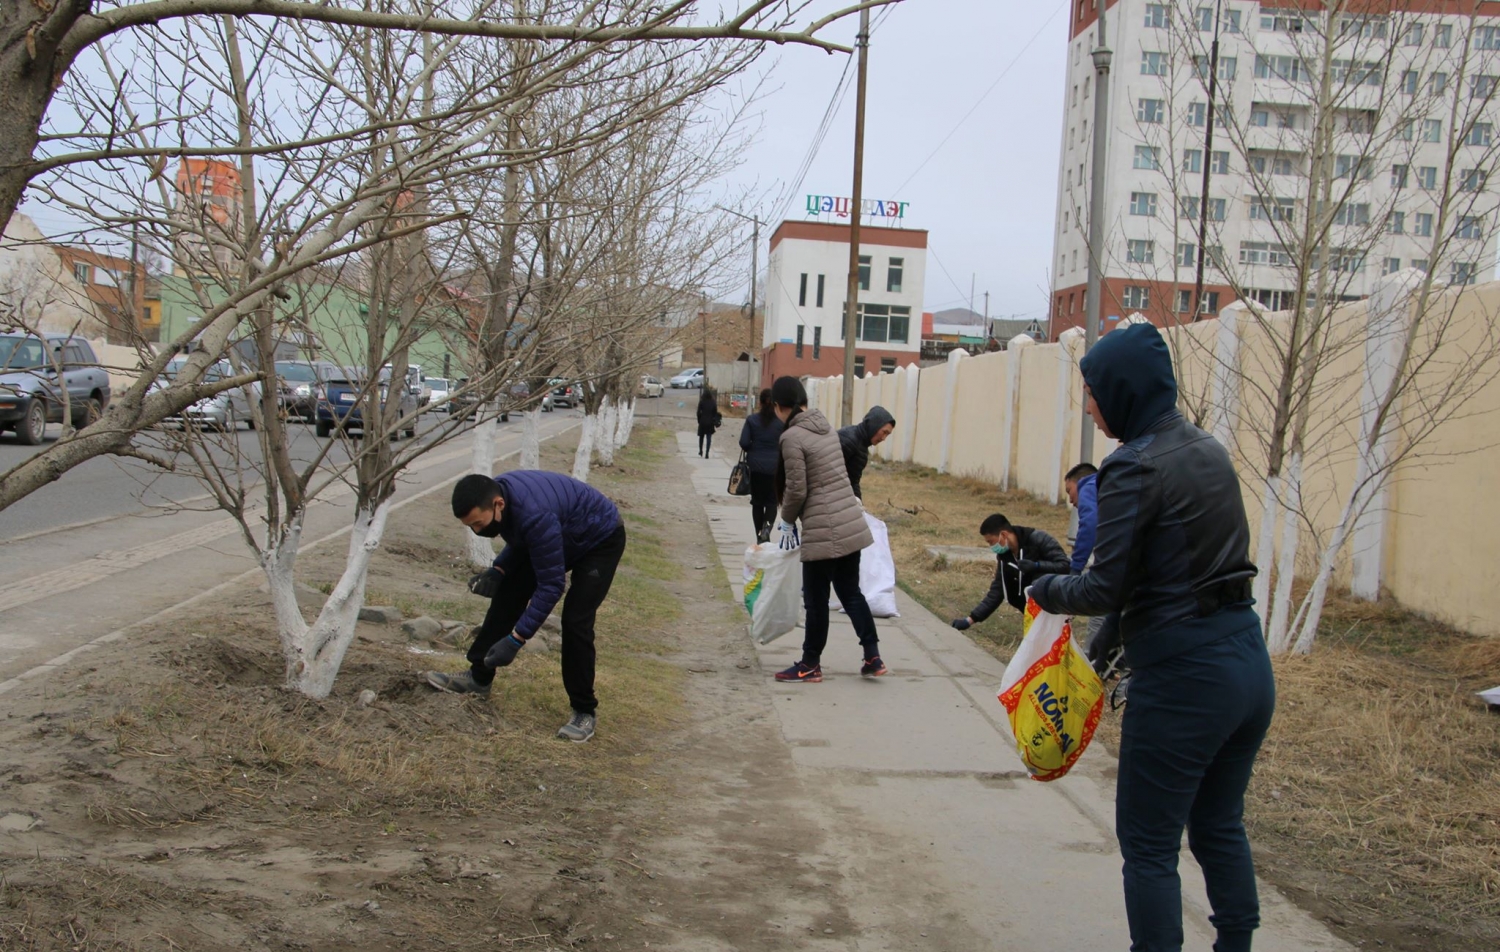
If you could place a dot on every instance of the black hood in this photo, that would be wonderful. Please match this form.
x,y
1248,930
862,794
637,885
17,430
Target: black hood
x,y
1129,372
873,421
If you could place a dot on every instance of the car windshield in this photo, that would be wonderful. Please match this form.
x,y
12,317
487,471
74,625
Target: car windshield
x,y
437,383
21,353
214,373
297,373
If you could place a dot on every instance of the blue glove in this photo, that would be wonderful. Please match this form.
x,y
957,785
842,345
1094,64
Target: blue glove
x,y
790,539
486,583
504,651
962,624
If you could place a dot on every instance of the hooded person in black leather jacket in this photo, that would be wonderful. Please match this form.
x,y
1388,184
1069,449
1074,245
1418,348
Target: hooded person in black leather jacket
x,y
857,438
1171,564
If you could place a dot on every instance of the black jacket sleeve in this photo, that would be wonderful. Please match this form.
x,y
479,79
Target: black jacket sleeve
x,y
1047,553
998,594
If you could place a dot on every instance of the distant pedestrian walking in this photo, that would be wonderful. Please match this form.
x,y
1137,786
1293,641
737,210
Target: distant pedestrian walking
x,y
812,484
709,420
760,438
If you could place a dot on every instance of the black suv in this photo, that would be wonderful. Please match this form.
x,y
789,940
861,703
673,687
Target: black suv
x,y
33,374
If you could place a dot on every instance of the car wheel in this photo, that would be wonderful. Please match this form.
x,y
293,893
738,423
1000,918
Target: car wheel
x,y
325,429
92,411
33,428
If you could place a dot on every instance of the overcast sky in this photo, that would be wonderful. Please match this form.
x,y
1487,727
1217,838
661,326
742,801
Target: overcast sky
x,y
988,194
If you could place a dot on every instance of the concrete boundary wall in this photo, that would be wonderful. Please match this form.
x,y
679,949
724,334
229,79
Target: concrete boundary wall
x,y
1014,419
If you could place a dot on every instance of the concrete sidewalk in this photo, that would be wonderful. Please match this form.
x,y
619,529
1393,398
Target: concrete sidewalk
x,y
924,755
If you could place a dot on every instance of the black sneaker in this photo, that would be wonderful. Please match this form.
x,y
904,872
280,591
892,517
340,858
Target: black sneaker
x,y
800,673
580,727
873,668
463,683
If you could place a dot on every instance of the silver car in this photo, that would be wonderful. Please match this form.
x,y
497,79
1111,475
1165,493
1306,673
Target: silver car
x,y
223,411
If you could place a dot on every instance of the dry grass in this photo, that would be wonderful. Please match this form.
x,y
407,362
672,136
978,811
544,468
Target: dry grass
x,y
1376,797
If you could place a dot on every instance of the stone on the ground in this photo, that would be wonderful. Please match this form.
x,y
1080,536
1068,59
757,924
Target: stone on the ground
x,y
422,628
366,698
381,614
961,553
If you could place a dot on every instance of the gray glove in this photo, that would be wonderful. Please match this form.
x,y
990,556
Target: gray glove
x,y
486,583
503,652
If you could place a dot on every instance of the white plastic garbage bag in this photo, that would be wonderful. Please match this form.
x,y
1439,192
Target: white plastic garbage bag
x,y
877,573
773,590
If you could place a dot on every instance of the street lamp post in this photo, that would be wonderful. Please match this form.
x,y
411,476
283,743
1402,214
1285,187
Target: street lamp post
x,y
1102,56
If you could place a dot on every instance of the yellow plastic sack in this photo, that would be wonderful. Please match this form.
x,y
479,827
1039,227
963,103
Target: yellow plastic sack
x,y
1052,695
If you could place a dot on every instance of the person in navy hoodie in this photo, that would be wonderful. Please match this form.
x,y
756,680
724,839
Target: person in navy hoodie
x,y
552,525
1172,560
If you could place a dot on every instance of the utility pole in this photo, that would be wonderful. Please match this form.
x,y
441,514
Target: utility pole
x,y
1208,162
1102,55
856,207
755,224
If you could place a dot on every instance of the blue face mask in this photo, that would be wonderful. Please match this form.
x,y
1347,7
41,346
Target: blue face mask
x,y
999,548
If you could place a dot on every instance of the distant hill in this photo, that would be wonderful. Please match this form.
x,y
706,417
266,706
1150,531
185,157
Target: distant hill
x,y
958,315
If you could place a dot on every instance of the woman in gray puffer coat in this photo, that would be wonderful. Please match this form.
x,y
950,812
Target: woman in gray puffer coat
x,y
812,484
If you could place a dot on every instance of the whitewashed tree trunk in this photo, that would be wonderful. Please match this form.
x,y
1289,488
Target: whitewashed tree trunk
x,y
1311,610
531,439
1265,551
482,460
314,653
585,454
625,423
605,432
1279,636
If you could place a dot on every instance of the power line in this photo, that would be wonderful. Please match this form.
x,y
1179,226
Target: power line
x,y
1014,60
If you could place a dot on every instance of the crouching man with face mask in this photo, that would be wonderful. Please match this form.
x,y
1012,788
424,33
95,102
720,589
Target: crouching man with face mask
x,y
552,525
1022,556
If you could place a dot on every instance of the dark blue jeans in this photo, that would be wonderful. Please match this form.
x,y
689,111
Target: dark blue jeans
x,y
841,575
1192,727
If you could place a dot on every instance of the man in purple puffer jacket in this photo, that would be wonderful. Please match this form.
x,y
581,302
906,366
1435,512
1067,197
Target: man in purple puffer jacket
x,y
552,524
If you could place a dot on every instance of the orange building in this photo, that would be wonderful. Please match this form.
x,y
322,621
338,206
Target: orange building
x,y
209,202
115,286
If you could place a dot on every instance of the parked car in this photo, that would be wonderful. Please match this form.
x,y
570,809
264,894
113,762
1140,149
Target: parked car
x,y
691,378
651,387
436,390
339,401
566,394
224,411
466,405
297,384
31,394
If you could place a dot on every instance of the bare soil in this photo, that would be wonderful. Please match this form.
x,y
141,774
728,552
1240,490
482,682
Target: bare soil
x,y
167,793
1376,799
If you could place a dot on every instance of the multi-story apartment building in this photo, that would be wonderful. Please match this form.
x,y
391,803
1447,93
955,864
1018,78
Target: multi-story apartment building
x,y
207,215
807,279
1350,141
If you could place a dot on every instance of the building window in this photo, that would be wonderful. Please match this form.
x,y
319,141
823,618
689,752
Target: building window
x,y
1075,260
1065,222
802,292
1481,87
864,272
1272,300
1407,131
1464,272
1472,180
1398,176
1470,226
1419,263
859,366
1153,64
1192,160
1209,304
800,329
1395,223
893,273
1437,84
1220,163
1140,251
1228,66
1285,23
1432,130
1197,114
887,365
1147,157
1274,209
1409,80
820,290
1157,17
1422,226
1366,27
1264,252
1260,118
81,272
1361,122
1272,165
1075,95
1188,208
1231,23
818,342
1481,133
1143,203
1487,38
1427,177
1413,35
1442,35
1205,18
1137,297
1353,166
1187,254
1287,68
1390,266
1357,213
1346,260
1150,111
881,323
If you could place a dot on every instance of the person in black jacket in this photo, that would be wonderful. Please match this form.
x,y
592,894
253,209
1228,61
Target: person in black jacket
x,y
1022,556
857,439
760,438
1172,568
709,420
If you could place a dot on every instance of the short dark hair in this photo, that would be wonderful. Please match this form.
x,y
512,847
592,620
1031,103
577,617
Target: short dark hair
x,y
1080,471
788,392
994,525
474,491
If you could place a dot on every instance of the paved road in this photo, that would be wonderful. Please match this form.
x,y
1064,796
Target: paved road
x,y
64,584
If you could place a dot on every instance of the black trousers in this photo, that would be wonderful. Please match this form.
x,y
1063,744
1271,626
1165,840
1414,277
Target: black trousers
x,y
762,500
842,574
705,442
1191,731
592,576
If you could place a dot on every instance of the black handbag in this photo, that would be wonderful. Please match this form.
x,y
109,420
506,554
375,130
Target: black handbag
x,y
739,478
